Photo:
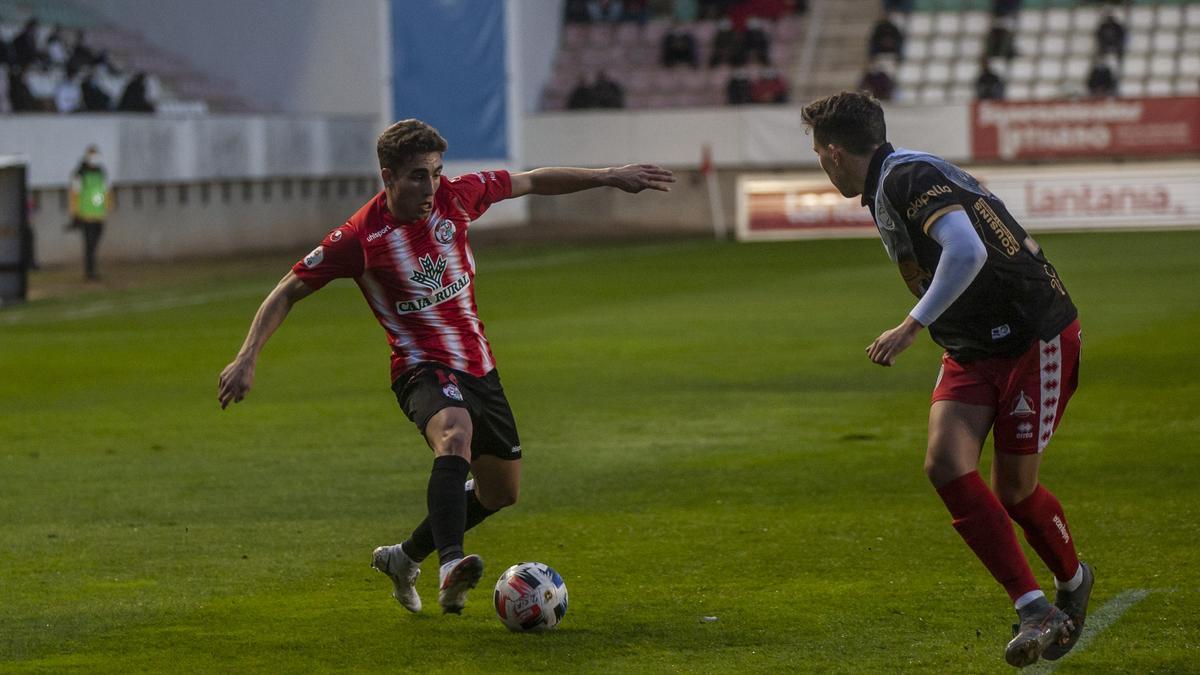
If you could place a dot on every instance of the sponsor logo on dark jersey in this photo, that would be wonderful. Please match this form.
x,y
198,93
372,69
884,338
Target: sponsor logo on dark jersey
x,y
1007,242
923,199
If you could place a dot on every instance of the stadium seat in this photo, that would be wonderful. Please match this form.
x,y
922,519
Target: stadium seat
x,y
1138,43
1084,21
1165,41
1045,91
937,73
1141,18
916,48
1030,21
1054,45
1191,15
1159,87
1018,91
1187,87
1132,88
1058,20
947,24
943,48
1134,67
1162,66
1050,69
961,93
1021,69
976,23
970,47
932,94
966,71
1077,68
1081,43
1169,16
627,33
1190,42
909,74
1027,45
1189,65
919,25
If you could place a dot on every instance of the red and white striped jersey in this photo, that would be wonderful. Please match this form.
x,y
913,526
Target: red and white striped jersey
x,y
418,277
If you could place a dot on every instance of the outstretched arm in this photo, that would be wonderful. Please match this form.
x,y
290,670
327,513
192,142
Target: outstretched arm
x,y
564,180
238,376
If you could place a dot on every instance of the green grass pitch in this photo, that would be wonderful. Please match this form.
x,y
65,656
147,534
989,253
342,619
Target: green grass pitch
x,y
704,437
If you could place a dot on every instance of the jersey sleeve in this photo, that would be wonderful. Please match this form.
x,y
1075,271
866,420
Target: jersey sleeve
x,y
475,192
340,255
921,193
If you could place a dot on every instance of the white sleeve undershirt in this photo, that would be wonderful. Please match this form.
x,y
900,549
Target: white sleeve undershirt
x,y
963,255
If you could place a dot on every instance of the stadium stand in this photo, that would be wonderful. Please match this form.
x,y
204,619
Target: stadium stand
x,y
171,84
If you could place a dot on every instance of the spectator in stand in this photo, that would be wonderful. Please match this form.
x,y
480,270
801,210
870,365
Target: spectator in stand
x,y
999,43
7,57
576,11
770,87
68,96
679,46
42,82
878,82
1005,7
886,39
81,54
1101,83
95,98
607,93
5,101
685,11
56,48
1110,37
988,86
740,89
21,98
898,6
715,9
582,97
136,97
755,41
25,44
728,46
605,10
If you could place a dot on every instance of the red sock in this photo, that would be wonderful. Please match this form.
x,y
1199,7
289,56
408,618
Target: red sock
x,y
1045,525
982,522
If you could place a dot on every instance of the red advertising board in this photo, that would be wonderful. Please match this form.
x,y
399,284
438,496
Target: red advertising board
x,y
1100,128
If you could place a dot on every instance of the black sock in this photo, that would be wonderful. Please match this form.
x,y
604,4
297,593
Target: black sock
x,y
447,505
418,546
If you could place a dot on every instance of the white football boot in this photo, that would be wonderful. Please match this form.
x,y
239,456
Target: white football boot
x,y
458,577
392,561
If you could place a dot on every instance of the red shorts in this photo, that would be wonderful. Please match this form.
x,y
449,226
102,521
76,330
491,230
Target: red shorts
x,y
1029,392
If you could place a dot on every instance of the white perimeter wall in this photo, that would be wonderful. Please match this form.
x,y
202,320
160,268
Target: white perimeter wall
x,y
294,56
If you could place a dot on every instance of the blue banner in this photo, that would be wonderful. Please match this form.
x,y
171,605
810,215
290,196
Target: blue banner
x,y
448,69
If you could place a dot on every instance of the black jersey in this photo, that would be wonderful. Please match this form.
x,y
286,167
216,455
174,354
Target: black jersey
x,y
1015,299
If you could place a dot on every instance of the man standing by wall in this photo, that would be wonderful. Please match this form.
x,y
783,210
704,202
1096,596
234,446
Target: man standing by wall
x,y
89,206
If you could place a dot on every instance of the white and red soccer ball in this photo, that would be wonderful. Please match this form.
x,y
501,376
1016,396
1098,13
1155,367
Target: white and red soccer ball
x,y
530,597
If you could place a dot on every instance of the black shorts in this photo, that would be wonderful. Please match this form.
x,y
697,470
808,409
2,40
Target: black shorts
x,y
431,387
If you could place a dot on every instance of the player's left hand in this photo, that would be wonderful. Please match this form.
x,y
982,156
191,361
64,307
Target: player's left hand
x,y
637,177
888,346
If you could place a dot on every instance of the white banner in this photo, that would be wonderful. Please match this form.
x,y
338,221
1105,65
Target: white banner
x,y
1064,197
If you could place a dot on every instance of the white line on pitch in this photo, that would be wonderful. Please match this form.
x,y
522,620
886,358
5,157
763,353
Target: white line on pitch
x,y
1096,622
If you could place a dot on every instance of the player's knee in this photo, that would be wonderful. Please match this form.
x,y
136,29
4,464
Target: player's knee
x,y
1013,492
451,439
499,500
941,469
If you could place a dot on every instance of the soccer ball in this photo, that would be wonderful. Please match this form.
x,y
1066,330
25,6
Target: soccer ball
x,y
531,597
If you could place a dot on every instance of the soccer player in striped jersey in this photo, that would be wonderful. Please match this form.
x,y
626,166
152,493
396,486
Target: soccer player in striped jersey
x,y
408,252
990,298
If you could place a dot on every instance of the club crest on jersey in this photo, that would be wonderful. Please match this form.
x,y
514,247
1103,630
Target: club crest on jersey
x,y
430,274
313,259
444,231
1023,406
450,390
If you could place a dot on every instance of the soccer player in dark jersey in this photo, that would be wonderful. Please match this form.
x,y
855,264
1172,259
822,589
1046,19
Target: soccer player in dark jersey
x,y
408,252
990,298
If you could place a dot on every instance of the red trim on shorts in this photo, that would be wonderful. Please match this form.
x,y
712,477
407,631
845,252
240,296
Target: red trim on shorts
x,y
1029,392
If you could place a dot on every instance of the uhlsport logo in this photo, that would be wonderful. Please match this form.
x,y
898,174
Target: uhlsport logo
x,y
444,231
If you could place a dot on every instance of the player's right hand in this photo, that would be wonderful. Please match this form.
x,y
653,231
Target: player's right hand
x,y
235,381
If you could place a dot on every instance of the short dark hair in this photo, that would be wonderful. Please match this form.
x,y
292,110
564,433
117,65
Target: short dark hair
x,y
407,138
851,119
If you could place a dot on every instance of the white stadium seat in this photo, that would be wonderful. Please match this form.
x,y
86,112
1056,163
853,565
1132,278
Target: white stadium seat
x,y
1028,45
966,71
1050,69
1139,43
1021,69
1162,66
920,24
1191,15
1187,87
1159,87
916,49
937,72
1165,41
1054,45
933,94
1077,68
1190,41
970,47
943,48
1169,16
1133,67
976,23
1044,91
1058,20
947,23
1085,20
909,74
1189,65
1018,91
1082,44
1141,18
1030,21
1132,88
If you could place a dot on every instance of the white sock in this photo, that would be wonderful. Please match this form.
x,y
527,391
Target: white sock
x,y
1073,583
1029,597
